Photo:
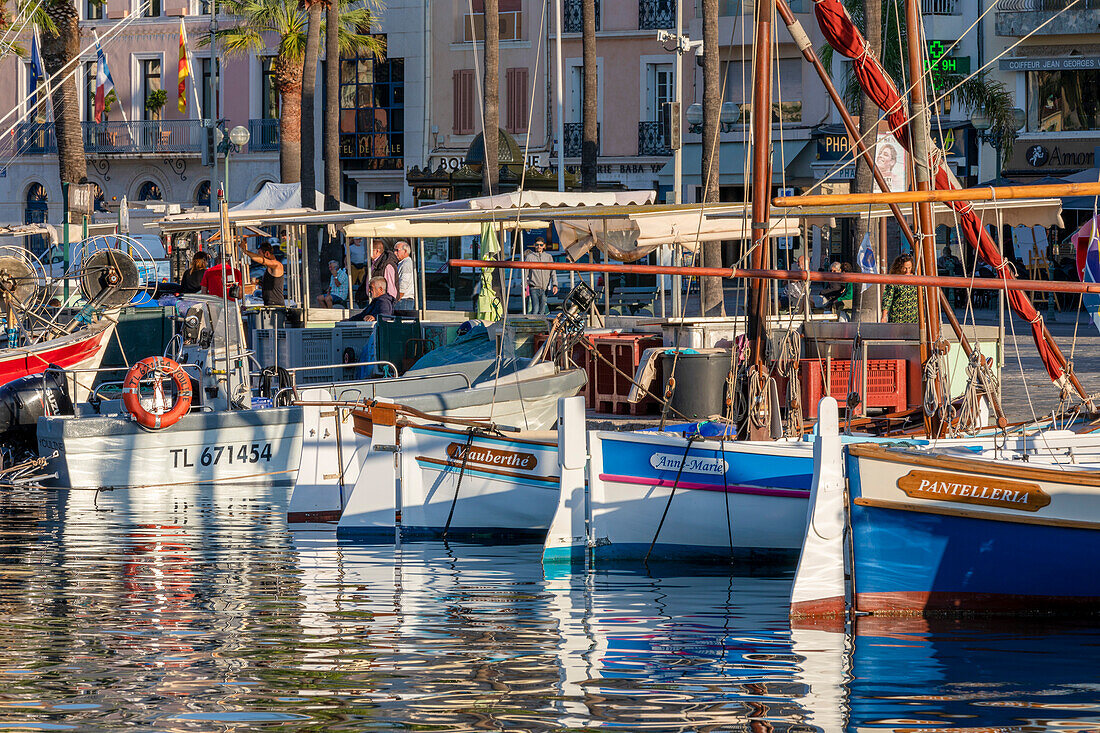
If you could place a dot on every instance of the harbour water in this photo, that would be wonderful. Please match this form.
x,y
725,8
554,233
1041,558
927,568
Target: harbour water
x,y
201,613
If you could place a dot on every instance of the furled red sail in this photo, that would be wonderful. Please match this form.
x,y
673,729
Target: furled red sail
x,y
845,38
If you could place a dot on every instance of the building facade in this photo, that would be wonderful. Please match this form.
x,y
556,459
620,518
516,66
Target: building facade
x,y
137,150
1052,63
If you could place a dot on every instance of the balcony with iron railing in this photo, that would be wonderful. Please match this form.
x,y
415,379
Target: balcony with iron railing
x,y
653,138
574,139
941,7
263,135
572,21
29,138
1019,18
656,14
144,137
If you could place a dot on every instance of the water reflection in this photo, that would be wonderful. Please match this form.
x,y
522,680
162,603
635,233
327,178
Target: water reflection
x,y
199,613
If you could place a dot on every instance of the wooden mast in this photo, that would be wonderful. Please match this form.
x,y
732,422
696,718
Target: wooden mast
x,y
807,49
757,416
928,298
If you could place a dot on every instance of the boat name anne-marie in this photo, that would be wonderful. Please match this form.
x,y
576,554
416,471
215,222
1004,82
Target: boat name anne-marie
x,y
695,464
214,455
492,457
974,490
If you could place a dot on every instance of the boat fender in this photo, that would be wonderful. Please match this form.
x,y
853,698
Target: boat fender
x,y
131,389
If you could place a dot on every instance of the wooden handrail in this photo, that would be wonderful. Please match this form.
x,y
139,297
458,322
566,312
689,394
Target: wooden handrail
x,y
988,193
988,283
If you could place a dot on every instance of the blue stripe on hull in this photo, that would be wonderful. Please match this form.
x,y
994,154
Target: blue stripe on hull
x,y
902,552
630,458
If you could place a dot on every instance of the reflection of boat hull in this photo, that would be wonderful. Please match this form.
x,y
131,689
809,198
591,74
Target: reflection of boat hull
x,y
506,487
243,446
731,498
935,533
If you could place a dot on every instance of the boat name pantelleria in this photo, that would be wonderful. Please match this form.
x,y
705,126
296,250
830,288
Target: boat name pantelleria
x,y
975,490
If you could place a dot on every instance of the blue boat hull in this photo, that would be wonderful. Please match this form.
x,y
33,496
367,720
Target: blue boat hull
x,y
928,557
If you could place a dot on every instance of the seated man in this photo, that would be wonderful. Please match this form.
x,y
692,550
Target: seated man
x,y
381,303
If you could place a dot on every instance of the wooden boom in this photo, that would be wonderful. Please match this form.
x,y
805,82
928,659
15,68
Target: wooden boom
x,y
989,193
987,283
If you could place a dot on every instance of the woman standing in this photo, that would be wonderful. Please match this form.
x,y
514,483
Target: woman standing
x,y
899,302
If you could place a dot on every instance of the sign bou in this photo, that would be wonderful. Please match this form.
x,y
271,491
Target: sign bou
x,y
982,490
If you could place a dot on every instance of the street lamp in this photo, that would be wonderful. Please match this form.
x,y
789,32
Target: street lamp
x,y
238,138
983,129
727,118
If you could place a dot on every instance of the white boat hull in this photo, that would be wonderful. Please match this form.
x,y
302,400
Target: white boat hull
x,y
248,447
505,487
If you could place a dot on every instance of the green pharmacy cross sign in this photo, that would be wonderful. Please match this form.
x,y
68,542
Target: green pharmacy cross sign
x,y
944,64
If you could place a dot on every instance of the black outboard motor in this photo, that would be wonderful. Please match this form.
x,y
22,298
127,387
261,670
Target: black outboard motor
x,y
25,400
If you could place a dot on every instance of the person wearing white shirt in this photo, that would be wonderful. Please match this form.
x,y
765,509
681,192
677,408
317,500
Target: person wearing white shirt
x,y
406,278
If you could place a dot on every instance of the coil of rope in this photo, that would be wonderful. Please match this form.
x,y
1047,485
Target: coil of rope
x,y
787,366
979,376
936,402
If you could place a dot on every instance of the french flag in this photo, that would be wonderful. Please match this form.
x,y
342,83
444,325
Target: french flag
x,y
104,84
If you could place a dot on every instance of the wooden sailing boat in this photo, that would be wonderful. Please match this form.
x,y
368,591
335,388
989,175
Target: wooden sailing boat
x,y
935,532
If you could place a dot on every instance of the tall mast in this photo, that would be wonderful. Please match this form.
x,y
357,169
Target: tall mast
x,y
922,212
757,415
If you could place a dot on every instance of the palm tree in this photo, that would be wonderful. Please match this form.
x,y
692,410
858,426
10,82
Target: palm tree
x,y
864,180
713,301
491,86
332,107
309,97
60,46
286,21
589,99
978,92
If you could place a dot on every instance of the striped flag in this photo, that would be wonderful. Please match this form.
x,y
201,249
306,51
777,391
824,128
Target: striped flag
x,y
184,70
104,84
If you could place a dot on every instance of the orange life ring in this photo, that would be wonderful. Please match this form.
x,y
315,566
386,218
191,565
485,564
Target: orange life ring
x,y
131,389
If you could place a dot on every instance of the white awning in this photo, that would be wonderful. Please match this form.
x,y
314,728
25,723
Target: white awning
x,y
635,235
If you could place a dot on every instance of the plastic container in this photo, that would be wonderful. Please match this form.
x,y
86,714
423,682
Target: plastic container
x,y
700,390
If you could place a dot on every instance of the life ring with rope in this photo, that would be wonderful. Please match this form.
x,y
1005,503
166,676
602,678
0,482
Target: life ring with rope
x,y
158,366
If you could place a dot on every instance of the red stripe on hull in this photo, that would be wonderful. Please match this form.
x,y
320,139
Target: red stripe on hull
x,y
917,603
68,355
821,607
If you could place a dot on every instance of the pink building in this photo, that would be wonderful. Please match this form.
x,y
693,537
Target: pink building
x,y
137,152
636,85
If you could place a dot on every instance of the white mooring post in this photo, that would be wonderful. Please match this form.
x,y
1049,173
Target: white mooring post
x,y
565,542
819,582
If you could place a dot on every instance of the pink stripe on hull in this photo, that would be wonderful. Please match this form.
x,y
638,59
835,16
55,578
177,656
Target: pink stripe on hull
x,y
752,490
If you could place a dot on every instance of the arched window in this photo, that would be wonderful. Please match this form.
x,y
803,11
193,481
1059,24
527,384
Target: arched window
x,y
149,191
36,212
202,194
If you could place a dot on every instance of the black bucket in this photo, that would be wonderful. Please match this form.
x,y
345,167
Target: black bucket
x,y
700,391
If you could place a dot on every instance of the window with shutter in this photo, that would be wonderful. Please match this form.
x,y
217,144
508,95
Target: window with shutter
x,y
464,102
515,82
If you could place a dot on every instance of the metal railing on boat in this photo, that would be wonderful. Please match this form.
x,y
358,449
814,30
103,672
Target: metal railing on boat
x,y
328,385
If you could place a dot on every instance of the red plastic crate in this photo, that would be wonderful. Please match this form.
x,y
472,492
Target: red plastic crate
x,y
610,387
887,384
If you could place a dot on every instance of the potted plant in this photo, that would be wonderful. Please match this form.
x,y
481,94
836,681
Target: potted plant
x,y
108,102
155,102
